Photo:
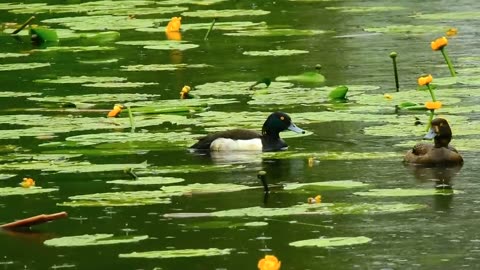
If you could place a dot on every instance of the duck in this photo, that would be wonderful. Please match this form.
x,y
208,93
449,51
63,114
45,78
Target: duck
x,y
438,154
245,140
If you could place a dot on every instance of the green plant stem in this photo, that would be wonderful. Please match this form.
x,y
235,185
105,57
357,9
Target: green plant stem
x,y
432,94
23,25
130,116
430,118
210,29
449,63
393,55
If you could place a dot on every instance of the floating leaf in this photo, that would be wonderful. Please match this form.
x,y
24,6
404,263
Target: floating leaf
x,y
194,168
365,9
338,93
191,2
325,185
4,176
307,77
74,49
256,224
160,44
7,55
408,29
178,253
104,22
119,84
308,209
89,98
153,180
275,52
162,67
276,32
18,94
93,240
82,79
98,62
11,191
42,34
449,16
225,13
400,192
232,88
331,242
22,66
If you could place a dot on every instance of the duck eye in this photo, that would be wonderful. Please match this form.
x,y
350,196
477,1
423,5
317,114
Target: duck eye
x,y
282,118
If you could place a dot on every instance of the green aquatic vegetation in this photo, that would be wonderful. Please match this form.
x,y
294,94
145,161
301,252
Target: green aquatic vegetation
x,y
81,79
16,191
339,93
139,11
194,168
91,98
233,88
256,224
190,2
369,9
223,13
177,253
331,242
4,176
152,180
449,16
74,49
104,22
18,94
224,26
330,155
65,166
277,32
400,192
93,240
22,66
447,97
275,52
308,209
84,7
307,77
119,84
407,29
177,105
99,61
341,184
162,67
12,55
161,45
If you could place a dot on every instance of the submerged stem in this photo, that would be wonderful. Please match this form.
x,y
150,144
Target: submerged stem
x,y
210,29
449,63
130,116
393,55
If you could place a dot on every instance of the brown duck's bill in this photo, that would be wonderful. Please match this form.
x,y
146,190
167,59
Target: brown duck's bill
x,y
28,222
296,129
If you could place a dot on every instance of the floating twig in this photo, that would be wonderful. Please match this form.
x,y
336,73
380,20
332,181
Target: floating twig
x,y
23,25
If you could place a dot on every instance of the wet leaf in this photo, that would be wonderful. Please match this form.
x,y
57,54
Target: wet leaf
x,y
400,192
93,240
74,49
92,98
449,16
161,45
11,55
82,79
275,52
194,168
408,29
99,61
4,176
119,84
232,88
22,66
178,253
12,191
162,67
276,32
307,77
152,180
104,22
256,224
7,94
331,242
366,9
191,2
326,185
223,13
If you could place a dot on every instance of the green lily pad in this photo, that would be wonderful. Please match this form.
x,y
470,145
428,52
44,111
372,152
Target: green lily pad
x,y
366,9
104,22
43,34
91,98
275,52
338,93
162,67
119,84
11,191
331,242
307,77
4,176
18,94
178,253
153,180
233,88
139,11
308,209
195,168
93,240
344,184
22,66
11,55
400,192
223,26
160,44
276,32
189,2
98,62
408,29
449,16
85,7
82,79
223,13
74,49
256,224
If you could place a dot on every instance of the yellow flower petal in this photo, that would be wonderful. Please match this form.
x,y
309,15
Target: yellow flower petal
x,y
439,43
174,25
433,105
425,80
270,262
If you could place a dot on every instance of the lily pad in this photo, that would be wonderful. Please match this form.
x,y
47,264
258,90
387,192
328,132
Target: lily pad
x,y
275,52
91,98
153,180
4,176
448,16
400,192
408,29
366,9
74,49
162,67
344,184
256,224
119,84
276,32
160,44
223,13
12,191
308,209
104,22
194,168
93,240
178,253
190,2
11,55
98,62
22,66
307,77
233,88
82,79
128,11
18,94
331,242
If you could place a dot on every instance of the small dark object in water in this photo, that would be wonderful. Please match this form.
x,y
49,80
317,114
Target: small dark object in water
x,y
262,176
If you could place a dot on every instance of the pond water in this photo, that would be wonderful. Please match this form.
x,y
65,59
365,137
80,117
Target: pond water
x,y
213,208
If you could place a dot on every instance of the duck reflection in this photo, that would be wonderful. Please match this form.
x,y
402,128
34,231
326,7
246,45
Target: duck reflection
x,y
442,179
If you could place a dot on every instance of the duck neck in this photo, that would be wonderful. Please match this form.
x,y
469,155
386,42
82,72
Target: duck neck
x,y
442,141
270,134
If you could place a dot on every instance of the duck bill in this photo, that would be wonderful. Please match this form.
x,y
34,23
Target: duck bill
x,y
296,129
430,135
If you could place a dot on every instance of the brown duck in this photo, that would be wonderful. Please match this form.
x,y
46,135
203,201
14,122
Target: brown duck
x,y
438,154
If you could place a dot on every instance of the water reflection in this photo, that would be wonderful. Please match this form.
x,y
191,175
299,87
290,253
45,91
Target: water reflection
x,y
235,157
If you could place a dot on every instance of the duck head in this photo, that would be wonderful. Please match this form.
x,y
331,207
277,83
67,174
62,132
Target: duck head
x,y
277,122
440,131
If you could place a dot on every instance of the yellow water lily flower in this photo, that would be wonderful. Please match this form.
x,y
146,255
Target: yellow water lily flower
x,y
317,199
117,109
184,93
425,80
270,262
174,24
27,182
388,96
439,43
452,32
433,105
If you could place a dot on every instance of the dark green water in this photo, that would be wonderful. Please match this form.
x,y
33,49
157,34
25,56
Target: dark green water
x,y
443,235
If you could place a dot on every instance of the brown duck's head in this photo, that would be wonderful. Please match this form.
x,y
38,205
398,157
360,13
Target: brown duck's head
x,y
440,131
